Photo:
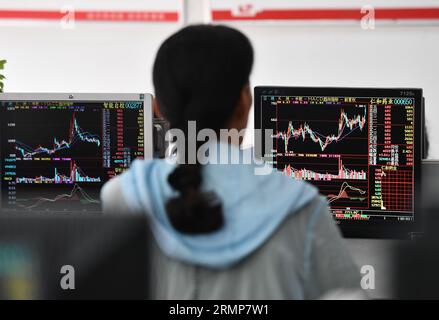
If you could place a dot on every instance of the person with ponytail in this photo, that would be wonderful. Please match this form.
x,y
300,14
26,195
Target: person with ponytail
x,y
220,231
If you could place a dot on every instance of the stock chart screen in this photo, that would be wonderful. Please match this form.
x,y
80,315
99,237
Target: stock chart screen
x,y
55,156
357,150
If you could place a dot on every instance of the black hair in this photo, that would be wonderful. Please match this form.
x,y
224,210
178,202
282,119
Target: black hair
x,y
199,73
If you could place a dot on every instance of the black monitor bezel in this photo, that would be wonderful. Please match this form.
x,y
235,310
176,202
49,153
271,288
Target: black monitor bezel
x,y
361,229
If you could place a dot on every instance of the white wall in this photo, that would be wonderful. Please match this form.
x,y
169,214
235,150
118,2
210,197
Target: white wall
x,y
90,58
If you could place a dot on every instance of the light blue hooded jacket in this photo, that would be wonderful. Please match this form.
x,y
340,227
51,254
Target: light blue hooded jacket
x,y
254,206
278,241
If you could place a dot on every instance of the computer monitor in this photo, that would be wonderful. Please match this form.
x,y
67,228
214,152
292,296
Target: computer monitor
x,y
74,256
57,150
361,147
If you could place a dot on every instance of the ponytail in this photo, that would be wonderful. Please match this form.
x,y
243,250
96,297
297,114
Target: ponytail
x,y
193,211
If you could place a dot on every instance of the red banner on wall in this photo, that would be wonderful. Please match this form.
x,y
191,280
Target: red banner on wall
x,y
94,10
335,10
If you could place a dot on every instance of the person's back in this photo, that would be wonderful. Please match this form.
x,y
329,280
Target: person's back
x,y
222,230
303,258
